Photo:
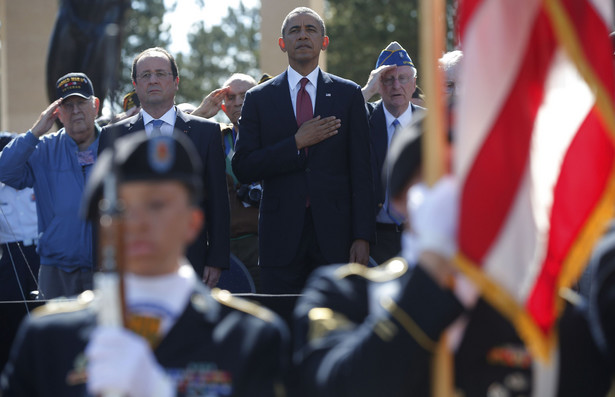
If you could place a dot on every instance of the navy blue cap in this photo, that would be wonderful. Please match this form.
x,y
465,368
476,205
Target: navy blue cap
x,y
74,84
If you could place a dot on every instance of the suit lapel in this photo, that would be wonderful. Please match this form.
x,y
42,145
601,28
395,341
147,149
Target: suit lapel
x,y
378,129
136,124
283,103
324,95
181,122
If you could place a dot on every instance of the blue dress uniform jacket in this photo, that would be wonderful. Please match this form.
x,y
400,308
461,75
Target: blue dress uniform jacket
x,y
335,174
219,346
587,328
353,339
366,332
212,247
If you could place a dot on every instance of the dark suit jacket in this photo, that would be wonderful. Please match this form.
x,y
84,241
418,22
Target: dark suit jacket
x,y
212,247
245,350
378,137
336,174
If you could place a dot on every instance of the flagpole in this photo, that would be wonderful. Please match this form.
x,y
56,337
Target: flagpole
x,y
432,36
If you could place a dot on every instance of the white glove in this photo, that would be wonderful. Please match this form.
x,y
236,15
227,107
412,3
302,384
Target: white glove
x,y
122,363
435,220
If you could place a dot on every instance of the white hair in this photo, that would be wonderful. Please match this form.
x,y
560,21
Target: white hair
x,y
240,77
450,64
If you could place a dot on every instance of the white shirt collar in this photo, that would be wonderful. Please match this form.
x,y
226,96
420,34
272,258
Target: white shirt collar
x,y
294,77
169,117
404,119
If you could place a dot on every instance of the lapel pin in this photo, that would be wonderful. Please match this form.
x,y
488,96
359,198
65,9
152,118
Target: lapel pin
x,y
328,94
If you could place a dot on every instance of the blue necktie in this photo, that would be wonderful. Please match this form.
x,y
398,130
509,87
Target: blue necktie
x,y
396,126
156,130
393,215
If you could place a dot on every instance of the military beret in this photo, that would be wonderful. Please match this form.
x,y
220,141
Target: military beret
x,y
137,157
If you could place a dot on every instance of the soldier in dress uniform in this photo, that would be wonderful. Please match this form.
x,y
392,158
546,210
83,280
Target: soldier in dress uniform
x,y
181,338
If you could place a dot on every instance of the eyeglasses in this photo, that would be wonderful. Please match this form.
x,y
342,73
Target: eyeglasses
x,y
403,79
159,75
70,106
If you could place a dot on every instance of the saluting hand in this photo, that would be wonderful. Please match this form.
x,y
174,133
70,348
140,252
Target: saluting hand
x,y
316,130
373,85
211,104
46,119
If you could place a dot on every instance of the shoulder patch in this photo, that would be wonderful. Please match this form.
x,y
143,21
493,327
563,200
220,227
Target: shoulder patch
x,y
56,306
225,298
390,270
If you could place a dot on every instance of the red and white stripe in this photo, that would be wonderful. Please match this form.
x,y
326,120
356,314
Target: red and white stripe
x,y
533,151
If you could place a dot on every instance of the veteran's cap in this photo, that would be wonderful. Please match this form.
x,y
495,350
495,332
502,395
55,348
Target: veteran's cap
x,y
394,54
74,84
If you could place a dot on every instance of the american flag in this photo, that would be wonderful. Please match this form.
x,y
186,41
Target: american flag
x,y
534,151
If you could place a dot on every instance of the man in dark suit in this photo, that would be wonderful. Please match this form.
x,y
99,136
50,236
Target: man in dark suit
x,y
394,79
305,135
156,80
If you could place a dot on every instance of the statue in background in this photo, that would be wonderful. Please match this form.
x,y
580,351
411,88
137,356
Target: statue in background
x,y
86,38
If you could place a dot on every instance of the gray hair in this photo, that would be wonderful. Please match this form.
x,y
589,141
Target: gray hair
x,y
450,64
240,77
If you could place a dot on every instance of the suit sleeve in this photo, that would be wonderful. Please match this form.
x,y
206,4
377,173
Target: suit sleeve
x,y
15,166
363,217
217,212
255,159
379,348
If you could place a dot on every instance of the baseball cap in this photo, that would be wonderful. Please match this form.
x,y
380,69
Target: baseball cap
x,y
74,84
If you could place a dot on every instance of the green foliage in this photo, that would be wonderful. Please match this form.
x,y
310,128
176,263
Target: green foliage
x,y
219,51
360,29
143,29
216,52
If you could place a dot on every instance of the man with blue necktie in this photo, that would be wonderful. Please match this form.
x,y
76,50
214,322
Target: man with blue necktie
x,y
394,79
156,80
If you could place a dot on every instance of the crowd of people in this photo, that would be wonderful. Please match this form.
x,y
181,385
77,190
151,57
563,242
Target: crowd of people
x,y
310,185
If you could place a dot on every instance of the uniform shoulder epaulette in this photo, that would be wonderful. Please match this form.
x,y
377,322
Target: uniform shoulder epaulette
x,y
225,298
323,321
56,306
390,270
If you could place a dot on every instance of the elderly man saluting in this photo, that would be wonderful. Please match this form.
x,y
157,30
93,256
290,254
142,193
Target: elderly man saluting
x,y
394,79
57,166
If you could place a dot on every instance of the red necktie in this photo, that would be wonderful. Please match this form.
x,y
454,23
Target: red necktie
x,y
304,104
304,113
